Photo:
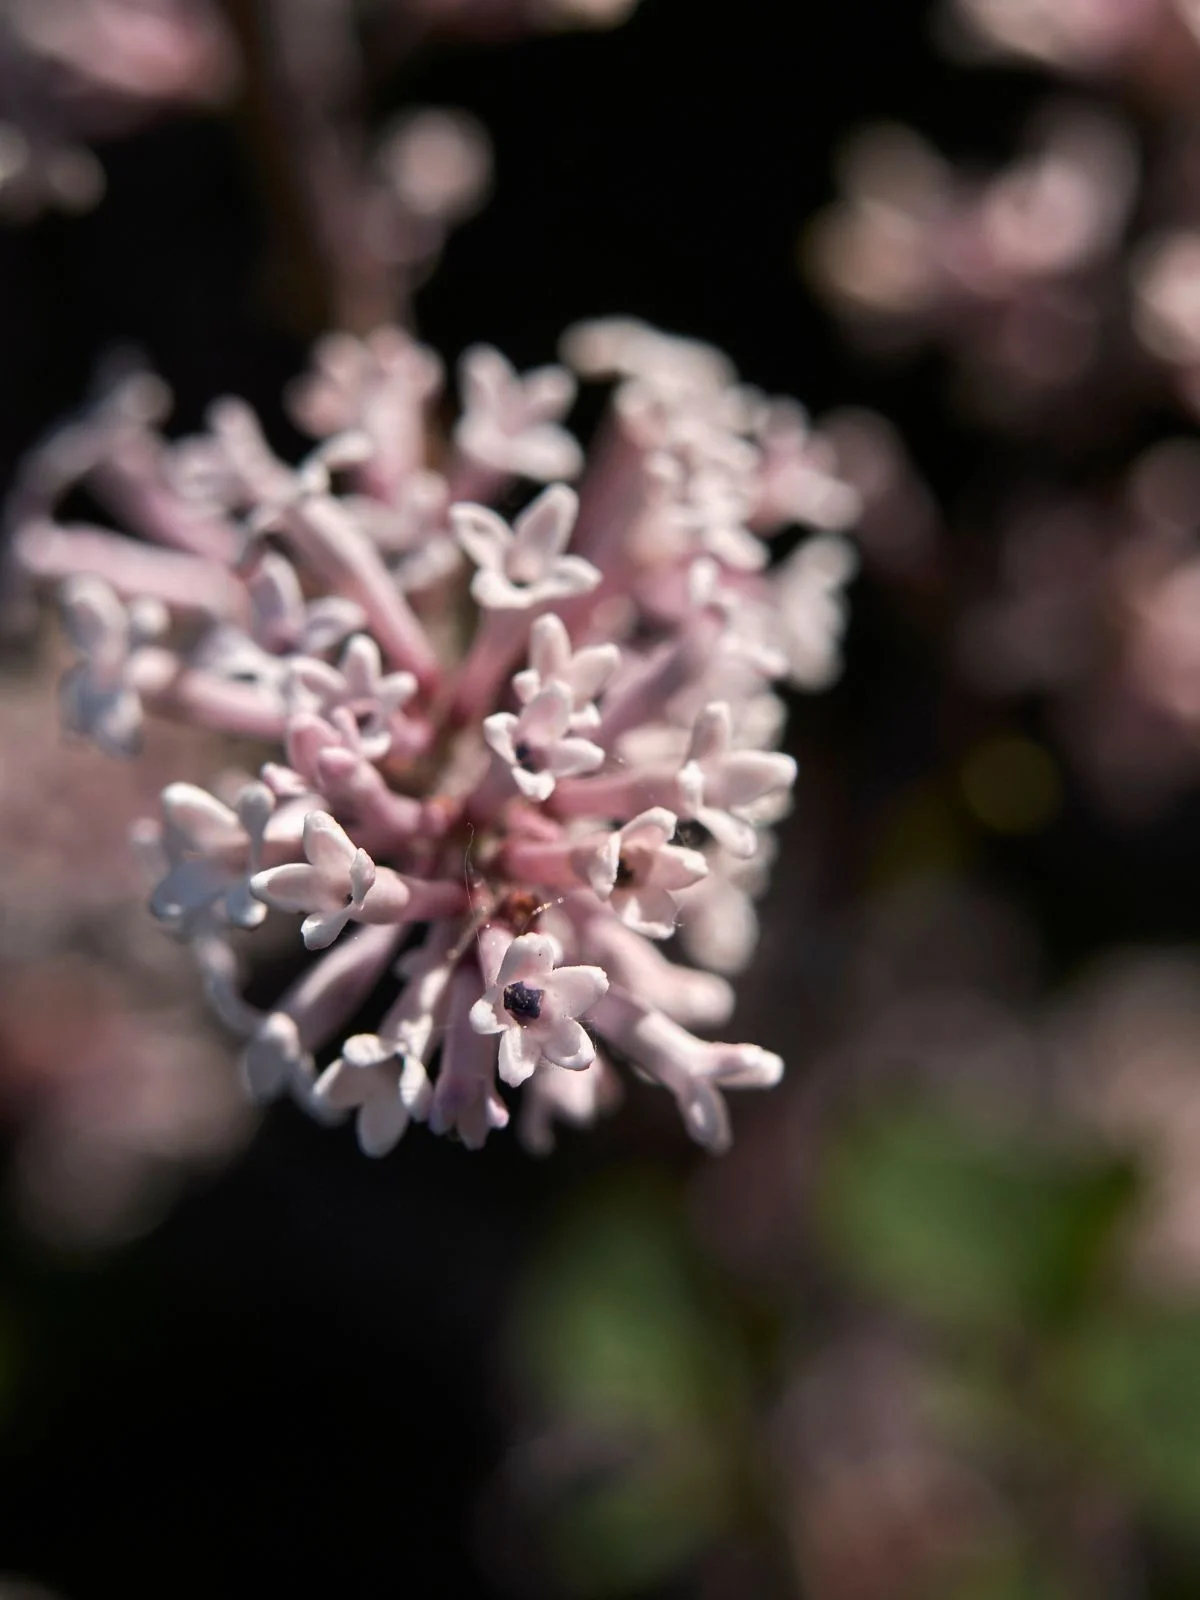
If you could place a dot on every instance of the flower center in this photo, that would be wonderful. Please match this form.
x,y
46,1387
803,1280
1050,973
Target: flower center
x,y
624,875
526,756
692,835
523,1004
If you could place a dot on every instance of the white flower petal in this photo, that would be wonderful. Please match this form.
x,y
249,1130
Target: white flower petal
x,y
322,928
705,1115
519,1056
546,716
541,533
649,830
484,536
647,910
381,1122
567,758
576,989
327,845
730,832
567,1044
205,822
711,733
572,575
342,1087
483,1017
534,785
748,775
499,733
533,955
295,886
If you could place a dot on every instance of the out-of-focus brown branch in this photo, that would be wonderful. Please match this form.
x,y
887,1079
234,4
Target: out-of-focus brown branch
x,y
302,115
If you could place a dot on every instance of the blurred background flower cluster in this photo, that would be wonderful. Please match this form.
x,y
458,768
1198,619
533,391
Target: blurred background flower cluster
x,y
931,1330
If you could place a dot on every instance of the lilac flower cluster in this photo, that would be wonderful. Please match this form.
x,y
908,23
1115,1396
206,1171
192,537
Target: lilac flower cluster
x,y
515,756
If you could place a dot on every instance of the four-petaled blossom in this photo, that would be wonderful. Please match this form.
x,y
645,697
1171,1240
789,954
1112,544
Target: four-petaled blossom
x,y
379,386
510,422
524,566
281,619
385,1089
584,673
636,867
533,1006
537,744
213,852
333,885
99,697
723,785
358,683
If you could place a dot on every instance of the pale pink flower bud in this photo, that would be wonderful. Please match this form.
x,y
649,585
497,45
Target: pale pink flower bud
x,y
694,1070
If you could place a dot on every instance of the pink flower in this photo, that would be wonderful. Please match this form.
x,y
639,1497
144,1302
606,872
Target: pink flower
x,y
537,745
100,696
380,386
213,853
636,868
357,683
333,885
510,423
386,1091
524,566
811,590
533,1006
584,673
723,785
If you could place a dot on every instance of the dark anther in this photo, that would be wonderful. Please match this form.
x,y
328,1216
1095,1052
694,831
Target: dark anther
x,y
691,835
524,755
624,875
523,1004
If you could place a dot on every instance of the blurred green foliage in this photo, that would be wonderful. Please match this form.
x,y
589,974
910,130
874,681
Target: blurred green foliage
x,y
1135,1382
643,1373
1045,1369
962,1223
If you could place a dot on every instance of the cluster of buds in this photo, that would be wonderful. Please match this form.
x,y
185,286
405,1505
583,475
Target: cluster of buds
x,y
516,757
